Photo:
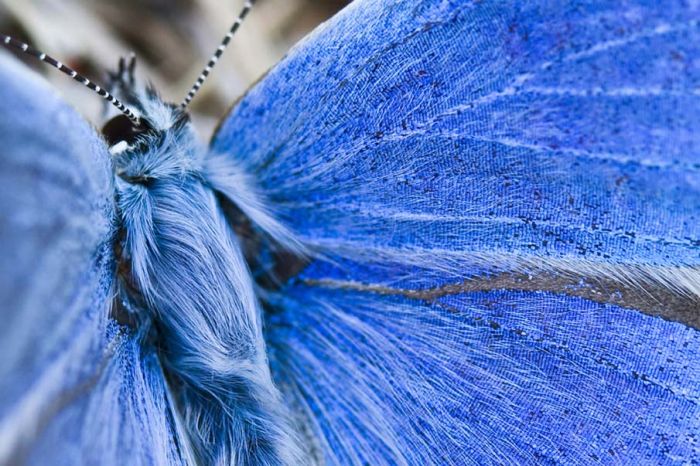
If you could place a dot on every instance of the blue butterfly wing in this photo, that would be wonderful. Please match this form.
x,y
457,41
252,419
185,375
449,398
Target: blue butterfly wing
x,y
561,117
75,386
504,197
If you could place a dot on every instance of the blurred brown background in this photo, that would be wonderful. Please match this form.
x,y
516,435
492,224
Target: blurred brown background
x,y
172,39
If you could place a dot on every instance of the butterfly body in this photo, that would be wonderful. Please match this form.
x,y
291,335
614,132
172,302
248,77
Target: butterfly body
x,y
183,273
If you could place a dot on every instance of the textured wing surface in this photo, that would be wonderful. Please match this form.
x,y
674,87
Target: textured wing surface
x,y
75,387
492,377
505,196
547,129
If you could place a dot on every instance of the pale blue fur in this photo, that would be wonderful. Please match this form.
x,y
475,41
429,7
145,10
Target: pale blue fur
x,y
189,268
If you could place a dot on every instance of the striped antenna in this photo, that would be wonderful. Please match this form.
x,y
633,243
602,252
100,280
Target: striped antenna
x,y
21,46
217,55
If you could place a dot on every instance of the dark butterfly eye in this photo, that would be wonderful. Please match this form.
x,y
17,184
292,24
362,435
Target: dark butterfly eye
x,y
122,128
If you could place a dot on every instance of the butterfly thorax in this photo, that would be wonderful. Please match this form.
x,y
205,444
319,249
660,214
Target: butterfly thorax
x,y
205,317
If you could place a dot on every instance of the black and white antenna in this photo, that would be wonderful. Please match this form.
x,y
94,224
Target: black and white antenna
x,y
217,55
21,46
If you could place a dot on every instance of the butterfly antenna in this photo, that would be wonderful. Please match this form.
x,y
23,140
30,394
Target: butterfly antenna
x,y
217,55
21,46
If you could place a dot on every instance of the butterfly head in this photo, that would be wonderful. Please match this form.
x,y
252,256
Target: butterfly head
x,y
146,126
155,118
164,145
125,131
159,143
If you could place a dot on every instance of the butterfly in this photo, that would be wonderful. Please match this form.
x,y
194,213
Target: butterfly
x,y
437,232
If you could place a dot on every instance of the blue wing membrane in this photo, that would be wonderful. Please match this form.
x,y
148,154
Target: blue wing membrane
x,y
75,387
503,198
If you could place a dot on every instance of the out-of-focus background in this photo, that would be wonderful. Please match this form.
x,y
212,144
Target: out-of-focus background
x,y
172,39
